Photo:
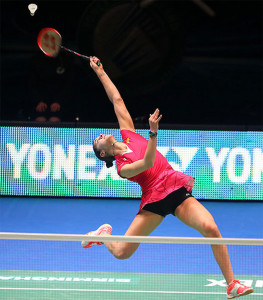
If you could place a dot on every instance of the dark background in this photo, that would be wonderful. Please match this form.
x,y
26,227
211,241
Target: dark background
x,y
195,67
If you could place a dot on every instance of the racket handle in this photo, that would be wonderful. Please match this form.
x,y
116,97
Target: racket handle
x,y
80,55
98,63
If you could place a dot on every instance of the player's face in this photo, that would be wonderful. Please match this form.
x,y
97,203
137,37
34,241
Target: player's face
x,y
103,141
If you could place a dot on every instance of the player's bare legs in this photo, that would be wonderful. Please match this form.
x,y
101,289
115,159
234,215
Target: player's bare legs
x,y
194,214
143,224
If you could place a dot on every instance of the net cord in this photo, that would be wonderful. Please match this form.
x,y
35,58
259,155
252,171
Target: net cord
x,y
130,239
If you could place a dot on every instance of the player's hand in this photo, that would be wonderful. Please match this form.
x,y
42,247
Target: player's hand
x,y
94,63
41,107
154,120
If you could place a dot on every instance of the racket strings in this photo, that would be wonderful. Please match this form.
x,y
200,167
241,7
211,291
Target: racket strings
x,y
49,41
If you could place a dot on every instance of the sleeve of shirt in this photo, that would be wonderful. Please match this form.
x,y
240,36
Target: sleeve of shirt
x,y
121,162
131,139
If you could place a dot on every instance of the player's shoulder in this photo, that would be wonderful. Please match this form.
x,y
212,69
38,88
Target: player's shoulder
x,y
133,135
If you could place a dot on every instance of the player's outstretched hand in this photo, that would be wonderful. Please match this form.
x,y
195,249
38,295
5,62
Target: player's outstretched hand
x,y
154,120
94,63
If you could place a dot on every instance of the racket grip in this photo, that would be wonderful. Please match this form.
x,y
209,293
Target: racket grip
x,y
98,62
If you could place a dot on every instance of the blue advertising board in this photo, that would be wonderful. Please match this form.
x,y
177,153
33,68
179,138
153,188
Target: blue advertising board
x,y
49,161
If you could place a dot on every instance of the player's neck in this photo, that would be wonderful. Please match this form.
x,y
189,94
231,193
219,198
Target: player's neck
x,y
119,148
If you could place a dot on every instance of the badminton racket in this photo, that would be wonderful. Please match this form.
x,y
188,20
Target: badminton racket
x,y
49,41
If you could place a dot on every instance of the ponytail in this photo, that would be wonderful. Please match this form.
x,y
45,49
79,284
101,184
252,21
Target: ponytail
x,y
109,164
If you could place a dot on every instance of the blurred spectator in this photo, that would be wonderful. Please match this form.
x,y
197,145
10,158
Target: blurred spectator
x,y
48,113
50,87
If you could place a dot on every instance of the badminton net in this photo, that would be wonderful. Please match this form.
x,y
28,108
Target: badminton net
x,y
54,266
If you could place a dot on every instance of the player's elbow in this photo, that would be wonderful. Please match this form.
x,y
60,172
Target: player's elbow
x,y
117,99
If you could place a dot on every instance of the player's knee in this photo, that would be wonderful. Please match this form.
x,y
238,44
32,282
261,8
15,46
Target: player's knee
x,y
210,229
123,253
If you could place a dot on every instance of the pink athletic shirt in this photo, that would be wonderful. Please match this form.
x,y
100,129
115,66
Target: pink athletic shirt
x,y
158,181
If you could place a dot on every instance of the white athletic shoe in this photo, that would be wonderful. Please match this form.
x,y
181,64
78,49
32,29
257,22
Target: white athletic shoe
x,y
236,289
102,230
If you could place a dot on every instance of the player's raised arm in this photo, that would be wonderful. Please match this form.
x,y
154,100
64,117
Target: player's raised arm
x,y
122,114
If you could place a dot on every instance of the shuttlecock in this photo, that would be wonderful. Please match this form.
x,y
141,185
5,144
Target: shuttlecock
x,y
32,8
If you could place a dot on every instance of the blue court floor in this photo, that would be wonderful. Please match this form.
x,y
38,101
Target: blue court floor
x,y
63,270
78,216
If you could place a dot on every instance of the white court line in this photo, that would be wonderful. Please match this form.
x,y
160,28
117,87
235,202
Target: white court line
x,y
120,291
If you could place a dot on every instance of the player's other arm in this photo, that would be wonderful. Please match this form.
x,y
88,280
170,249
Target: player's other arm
x,y
122,114
147,162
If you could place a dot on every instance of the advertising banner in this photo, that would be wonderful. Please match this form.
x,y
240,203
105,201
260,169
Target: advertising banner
x,y
45,161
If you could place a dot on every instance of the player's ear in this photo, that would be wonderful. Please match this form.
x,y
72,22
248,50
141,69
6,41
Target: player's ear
x,y
102,153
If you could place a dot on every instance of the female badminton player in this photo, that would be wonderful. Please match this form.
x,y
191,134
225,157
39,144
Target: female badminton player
x,y
164,190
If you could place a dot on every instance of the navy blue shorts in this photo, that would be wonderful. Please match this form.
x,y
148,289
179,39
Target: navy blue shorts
x,y
169,204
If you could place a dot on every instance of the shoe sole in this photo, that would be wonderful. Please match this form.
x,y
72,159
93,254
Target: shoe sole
x,y
246,293
91,244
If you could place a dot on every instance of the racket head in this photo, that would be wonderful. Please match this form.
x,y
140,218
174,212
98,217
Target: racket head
x,y
49,41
